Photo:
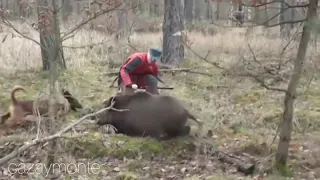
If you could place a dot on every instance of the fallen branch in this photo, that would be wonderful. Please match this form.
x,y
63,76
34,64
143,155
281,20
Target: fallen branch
x,y
256,78
215,64
88,45
168,70
36,141
262,83
244,165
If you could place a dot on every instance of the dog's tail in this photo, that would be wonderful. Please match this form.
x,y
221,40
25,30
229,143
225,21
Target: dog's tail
x,y
13,93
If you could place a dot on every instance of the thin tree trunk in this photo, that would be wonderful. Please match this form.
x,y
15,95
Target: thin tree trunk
x,y
58,41
45,27
283,29
50,40
197,9
173,27
292,14
286,126
123,20
188,10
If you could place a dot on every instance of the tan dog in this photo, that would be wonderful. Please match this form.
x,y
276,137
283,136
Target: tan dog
x,y
25,110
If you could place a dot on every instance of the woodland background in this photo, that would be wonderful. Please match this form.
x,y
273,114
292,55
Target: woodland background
x,y
248,69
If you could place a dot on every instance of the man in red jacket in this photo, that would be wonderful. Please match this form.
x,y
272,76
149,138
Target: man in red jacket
x,y
140,71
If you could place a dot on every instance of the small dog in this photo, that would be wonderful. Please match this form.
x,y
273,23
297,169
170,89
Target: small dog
x,y
24,110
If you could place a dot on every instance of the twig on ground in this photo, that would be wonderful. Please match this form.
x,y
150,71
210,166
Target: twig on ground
x,y
262,83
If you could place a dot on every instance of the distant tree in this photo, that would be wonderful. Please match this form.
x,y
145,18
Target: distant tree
x,y
286,126
173,27
50,39
188,9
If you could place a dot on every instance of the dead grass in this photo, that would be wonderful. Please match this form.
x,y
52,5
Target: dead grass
x,y
232,107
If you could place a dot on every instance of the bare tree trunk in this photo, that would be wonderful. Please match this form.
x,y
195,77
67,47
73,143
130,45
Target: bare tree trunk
x,y
292,14
45,27
16,7
188,10
59,55
286,126
157,8
266,14
256,15
123,20
50,40
218,10
209,10
151,7
197,9
67,9
173,24
283,29
56,61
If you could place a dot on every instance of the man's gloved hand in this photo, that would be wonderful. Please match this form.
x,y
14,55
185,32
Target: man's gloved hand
x,y
133,86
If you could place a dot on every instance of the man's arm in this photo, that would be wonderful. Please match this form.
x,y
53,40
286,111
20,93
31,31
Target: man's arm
x,y
129,68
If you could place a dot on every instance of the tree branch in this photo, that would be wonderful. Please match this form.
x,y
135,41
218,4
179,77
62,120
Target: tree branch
x,y
7,23
96,15
215,64
277,1
266,23
262,83
88,45
287,22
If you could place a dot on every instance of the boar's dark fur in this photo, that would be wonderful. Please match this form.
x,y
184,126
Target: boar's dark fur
x,y
158,116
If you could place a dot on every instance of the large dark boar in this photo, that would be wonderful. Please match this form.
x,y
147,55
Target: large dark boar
x,y
158,116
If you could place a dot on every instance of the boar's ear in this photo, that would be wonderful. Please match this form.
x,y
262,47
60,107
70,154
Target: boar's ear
x,y
108,102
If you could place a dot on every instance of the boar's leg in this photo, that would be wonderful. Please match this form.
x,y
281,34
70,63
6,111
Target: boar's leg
x,y
173,133
185,130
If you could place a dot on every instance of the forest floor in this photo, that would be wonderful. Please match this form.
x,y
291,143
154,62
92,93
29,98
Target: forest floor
x,y
242,114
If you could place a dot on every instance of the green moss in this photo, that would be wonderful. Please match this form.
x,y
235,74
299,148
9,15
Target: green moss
x,y
126,176
248,98
213,177
283,170
92,146
134,165
239,129
308,119
272,116
192,178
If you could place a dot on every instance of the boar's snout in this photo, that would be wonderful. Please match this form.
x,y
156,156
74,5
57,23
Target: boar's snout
x,y
102,119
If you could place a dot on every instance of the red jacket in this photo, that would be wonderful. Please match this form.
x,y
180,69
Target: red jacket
x,y
137,64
